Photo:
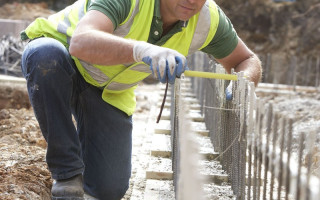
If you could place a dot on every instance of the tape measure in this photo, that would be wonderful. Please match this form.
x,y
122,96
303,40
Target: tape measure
x,y
212,75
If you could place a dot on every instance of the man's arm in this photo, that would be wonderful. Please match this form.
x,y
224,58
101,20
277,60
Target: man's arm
x,y
93,41
243,59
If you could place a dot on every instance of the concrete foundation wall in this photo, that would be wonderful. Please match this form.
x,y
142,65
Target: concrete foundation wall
x,y
12,27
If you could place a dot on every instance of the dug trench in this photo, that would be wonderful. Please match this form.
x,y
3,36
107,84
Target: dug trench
x,y
23,170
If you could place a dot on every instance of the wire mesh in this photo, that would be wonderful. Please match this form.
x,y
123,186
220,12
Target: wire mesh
x,y
253,141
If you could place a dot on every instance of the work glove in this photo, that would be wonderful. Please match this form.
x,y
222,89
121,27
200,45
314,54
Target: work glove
x,y
165,64
229,92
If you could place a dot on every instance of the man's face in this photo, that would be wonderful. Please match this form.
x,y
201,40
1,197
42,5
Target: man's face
x,y
182,9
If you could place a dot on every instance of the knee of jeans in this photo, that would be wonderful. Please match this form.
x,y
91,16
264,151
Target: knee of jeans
x,y
44,56
110,191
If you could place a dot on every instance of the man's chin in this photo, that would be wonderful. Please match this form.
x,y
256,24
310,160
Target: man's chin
x,y
185,18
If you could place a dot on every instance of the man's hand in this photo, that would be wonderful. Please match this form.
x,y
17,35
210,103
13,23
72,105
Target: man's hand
x,y
164,63
229,92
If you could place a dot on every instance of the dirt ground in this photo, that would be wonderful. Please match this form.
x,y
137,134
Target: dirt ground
x,y
25,11
23,170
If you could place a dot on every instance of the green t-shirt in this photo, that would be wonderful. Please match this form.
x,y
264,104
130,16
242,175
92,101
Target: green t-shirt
x,y
223,43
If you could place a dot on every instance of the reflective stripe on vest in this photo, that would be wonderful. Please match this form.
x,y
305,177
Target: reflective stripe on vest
x,y
64,25
203,26
120,86
124,28
95,73
121,82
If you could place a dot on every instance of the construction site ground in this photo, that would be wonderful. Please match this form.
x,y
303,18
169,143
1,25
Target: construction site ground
x,y
23,170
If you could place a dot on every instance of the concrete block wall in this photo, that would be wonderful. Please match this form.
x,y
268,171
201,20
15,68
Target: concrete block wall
x,y
12,27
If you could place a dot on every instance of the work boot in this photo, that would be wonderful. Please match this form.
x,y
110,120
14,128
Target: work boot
x,y
68,189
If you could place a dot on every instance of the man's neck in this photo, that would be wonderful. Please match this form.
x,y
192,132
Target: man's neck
x,y
167,19
166,28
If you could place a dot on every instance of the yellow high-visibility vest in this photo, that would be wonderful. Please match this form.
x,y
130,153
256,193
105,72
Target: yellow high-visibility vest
x,y
119,81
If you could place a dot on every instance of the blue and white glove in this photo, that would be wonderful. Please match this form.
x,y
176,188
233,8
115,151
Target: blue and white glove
x,y
164,63
229,92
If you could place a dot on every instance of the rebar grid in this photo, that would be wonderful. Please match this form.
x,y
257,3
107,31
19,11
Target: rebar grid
x,y
254,142
10,56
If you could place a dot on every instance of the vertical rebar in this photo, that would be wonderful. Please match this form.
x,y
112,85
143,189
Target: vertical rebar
x,y
175,136
260,153
273,154
230,134
310,145
300,154
289,142
266,153
223,137
281,142
250,138
235,132
249,162
243,140
172,121
256,152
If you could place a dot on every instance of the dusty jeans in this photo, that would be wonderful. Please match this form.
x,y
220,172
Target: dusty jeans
x,y
99,146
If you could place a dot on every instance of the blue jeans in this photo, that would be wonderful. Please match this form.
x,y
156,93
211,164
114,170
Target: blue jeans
x,y
100,144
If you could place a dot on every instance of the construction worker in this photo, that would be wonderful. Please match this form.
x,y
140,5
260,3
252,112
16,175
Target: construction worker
x,y
86,60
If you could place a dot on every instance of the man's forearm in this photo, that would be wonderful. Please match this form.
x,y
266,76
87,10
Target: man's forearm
x,y
251,68
98,47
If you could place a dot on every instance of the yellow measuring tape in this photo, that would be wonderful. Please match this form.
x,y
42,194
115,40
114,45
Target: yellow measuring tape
x,y
190,73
